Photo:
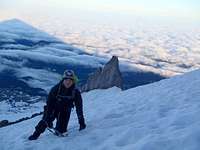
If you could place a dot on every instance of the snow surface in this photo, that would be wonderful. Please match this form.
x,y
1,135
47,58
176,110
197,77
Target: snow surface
x,y
159,116
19,110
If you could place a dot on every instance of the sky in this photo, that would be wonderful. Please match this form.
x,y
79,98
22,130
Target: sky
x,y
185,9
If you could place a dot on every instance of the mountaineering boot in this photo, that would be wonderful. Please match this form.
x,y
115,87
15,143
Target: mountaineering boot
x,y
83,126
34,136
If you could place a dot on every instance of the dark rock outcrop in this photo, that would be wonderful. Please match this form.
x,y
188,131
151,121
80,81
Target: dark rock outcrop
x,y
105,77
3,123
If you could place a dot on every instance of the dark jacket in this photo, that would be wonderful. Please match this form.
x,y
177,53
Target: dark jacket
x,y
61,99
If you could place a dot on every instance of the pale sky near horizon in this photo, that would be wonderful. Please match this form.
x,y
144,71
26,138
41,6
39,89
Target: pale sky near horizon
x,y
186,9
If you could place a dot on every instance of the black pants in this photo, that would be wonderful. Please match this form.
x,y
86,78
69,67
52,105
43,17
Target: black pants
x,y
62,117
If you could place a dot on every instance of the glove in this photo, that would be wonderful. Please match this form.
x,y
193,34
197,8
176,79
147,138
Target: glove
x,y
82,126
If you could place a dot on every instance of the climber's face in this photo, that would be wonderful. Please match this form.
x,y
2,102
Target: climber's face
x,y
67,83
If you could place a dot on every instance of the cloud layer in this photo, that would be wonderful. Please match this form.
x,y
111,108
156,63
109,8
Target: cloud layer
x,y
151,45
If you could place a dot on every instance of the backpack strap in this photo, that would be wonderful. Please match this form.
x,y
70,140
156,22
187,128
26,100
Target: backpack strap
x,y
59,89
67,97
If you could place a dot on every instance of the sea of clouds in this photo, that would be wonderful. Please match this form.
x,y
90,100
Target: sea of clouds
x,y
167,47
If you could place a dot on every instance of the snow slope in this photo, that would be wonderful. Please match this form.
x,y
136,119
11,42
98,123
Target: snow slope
x,y
159,116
